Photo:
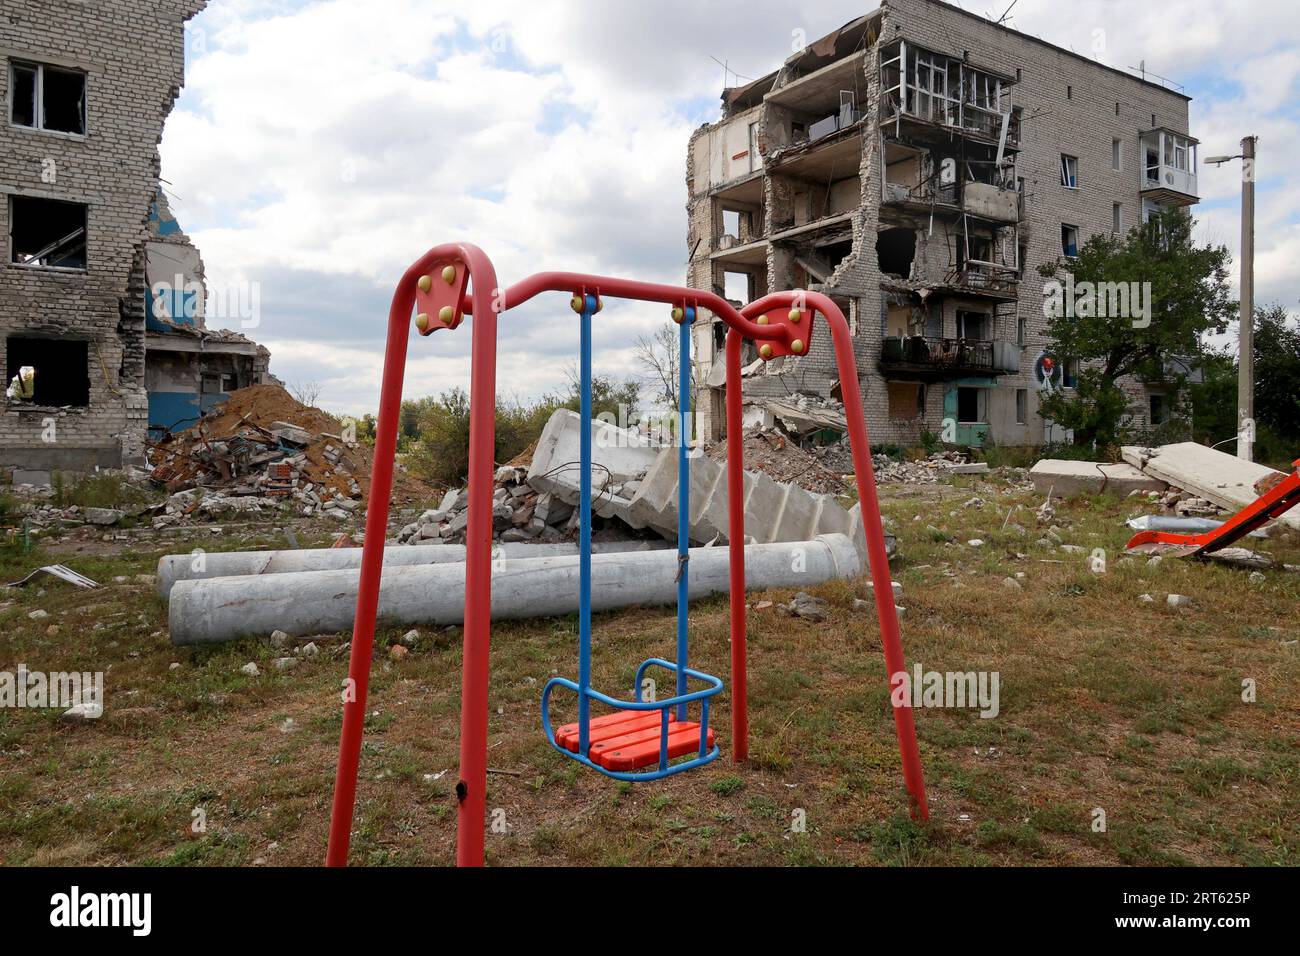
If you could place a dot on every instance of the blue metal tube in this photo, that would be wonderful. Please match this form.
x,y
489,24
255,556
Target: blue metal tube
x,y
683,499
584,534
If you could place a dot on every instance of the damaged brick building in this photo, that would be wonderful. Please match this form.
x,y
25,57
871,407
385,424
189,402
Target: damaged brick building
x,y
98,341
918,165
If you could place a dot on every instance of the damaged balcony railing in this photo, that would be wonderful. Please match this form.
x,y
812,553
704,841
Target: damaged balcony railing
x,y
938,353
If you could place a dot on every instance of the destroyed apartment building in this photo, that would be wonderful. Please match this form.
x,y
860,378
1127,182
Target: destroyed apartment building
x,y
102,325
918,165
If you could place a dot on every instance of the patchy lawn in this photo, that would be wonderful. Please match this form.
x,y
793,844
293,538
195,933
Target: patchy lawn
x,y
1106,702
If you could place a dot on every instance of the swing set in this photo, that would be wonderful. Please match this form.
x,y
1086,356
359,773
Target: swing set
x,y
640,739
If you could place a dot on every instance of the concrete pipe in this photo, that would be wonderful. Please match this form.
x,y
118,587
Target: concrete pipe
x,y
313,602
225,564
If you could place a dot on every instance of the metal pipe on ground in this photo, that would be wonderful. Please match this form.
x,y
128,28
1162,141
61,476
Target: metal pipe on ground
x,y
212,610
225,564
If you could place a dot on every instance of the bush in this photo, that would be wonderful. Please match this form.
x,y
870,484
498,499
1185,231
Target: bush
x,y
438,440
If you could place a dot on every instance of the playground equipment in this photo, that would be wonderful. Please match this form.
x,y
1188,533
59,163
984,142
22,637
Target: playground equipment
x,y
1274,503
641,738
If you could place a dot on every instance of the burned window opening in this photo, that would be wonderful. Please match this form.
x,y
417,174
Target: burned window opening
x,y
61,370
48,98
895,250
47,232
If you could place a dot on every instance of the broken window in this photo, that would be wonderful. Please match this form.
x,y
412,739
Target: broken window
x,y
1069,171
47,232
1116,153
906,400
972,325
47,97
736,286
1069,240
895,249
1022,406
1022,331
1116,218
59,370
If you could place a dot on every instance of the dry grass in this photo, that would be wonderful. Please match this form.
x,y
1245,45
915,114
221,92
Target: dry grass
x,y
1105,702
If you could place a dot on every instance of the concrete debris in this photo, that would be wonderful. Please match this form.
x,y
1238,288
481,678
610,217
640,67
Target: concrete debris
x,y
1065,479
1225,480
806,606
324,602
263,446
1178,600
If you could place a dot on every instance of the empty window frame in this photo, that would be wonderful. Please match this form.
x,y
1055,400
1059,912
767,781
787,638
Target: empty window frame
x,y
47,98
1022,406
1069,240
1022,331
1159,409
1116,153
47,232
973,326
1069,171
1116,218
62,369
970,405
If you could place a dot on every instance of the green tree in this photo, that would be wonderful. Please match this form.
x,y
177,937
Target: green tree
x,y
1188,297
1277,372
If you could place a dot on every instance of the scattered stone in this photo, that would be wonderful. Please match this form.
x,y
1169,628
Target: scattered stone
x,y
411,637
309,649
52,631
288,725
900,611
1011,584
285,663
806,606
280,640
1146,599
250,669
174,666
1179,600
38,615
104,516
1256,578
976,542
88,710
398,651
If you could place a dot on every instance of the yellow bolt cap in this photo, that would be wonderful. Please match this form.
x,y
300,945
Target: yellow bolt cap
x,y
795,316
446,314
761,320
422,321
425,283
576,303
449,274
797,346
679,314
765,351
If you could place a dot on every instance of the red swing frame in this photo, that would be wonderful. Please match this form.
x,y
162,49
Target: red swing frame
x,y
440,281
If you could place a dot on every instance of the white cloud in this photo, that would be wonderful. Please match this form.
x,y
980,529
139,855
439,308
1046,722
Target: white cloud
x,y
319,147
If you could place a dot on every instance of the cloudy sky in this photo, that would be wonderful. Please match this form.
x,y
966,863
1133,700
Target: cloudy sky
x,y
319,146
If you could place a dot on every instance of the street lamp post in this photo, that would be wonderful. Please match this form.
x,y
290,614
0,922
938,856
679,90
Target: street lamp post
x,y
1246,357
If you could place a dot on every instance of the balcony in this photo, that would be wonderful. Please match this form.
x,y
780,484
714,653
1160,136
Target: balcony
x,y
931,357
923,88
982,279
1168,165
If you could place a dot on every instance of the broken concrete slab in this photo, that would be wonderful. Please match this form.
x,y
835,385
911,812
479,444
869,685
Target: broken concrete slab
x,y
1064,479
1224,479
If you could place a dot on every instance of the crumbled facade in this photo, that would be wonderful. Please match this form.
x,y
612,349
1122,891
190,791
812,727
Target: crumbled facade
x,y
87,88
918,165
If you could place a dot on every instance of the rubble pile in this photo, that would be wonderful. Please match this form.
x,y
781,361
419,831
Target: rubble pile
x,y
263,443
771,451
520,513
